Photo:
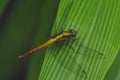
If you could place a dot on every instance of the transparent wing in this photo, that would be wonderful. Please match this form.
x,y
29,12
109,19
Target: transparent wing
x,y
75,62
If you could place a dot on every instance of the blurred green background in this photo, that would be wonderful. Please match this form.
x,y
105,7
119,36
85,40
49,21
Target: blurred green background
x,y
20,23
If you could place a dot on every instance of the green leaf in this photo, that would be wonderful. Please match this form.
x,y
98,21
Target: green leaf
x,y
114,71
97,41
93,55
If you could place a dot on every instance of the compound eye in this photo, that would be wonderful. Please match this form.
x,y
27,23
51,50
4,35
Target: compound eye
x,y
72,32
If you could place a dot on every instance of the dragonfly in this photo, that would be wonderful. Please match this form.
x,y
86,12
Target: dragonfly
x,y
62,36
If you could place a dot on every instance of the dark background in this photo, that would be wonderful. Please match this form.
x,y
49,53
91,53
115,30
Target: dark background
x,y
24,24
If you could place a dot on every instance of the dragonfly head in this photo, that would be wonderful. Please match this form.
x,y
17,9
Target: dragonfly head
x,y
73,33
